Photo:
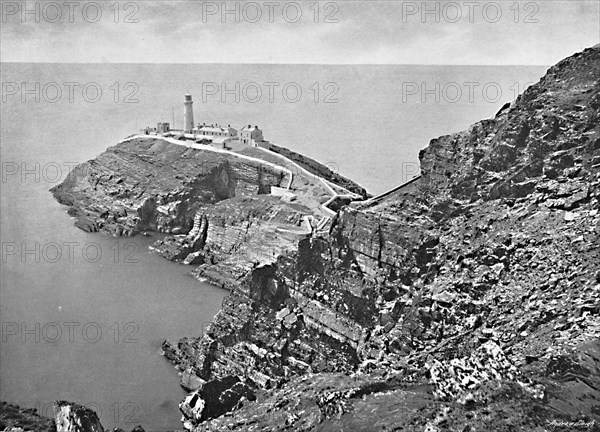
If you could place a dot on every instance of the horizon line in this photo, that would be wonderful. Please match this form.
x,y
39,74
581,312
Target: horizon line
x,y
278,64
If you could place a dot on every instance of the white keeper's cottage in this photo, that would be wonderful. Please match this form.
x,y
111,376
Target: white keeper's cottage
x,y
251,135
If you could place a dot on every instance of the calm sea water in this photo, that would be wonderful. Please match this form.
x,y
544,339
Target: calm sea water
x,y
83,315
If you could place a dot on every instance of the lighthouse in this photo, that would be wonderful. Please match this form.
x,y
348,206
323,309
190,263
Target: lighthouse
x,y
188,114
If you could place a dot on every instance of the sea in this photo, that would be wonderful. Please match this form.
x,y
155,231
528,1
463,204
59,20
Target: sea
x,y
83,315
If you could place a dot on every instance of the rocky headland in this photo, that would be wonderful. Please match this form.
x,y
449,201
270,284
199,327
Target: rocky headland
x,y
68,417
468,300
215,206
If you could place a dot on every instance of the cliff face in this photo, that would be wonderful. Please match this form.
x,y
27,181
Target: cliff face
x,y
230,238
467,300
519,155
152,185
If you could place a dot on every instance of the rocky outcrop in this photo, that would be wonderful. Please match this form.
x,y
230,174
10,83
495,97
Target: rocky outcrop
x,y
68,417
71,417
151,184
214,398
16,419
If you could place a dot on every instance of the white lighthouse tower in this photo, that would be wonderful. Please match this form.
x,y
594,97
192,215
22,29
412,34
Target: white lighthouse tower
x,y
188,114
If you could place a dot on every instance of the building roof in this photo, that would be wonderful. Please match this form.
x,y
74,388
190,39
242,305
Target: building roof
x,y
250,128
213,129
220,140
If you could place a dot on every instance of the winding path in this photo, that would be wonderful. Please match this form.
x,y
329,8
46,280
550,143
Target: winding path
x,y
324,207
212,149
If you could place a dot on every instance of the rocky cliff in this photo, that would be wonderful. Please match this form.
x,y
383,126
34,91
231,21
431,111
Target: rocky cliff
x,y
150,184
468,300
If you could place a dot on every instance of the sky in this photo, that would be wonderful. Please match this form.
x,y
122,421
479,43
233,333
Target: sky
x,y
298,32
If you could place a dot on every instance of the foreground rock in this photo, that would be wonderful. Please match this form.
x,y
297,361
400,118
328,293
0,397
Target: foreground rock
x,y
68,417
215,398
15,418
